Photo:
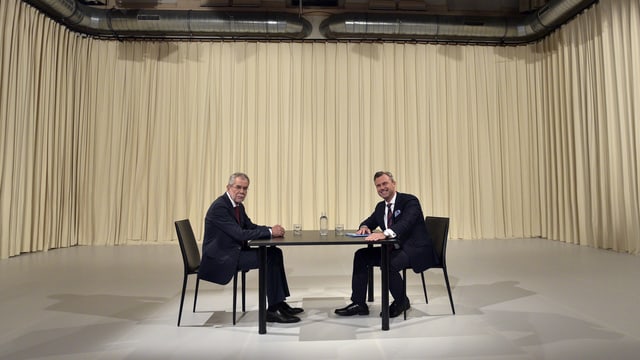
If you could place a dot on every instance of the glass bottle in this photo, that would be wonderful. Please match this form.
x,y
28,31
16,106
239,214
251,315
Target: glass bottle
x,y
324,224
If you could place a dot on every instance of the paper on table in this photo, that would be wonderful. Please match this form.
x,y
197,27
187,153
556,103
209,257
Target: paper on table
x,y
356,235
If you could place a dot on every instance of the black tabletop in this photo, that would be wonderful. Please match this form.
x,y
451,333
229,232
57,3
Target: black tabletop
x,y
313,237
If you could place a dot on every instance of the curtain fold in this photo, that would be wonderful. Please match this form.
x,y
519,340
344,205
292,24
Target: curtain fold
x,y
108,143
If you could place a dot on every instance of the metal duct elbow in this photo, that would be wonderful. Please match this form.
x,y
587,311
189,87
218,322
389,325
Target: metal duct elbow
x,y
174,24
485,30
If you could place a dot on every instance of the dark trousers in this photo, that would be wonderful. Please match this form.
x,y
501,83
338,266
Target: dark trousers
x,y
277,286
371,256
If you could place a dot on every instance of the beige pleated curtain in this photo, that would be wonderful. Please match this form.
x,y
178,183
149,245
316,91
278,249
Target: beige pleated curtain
x,y
108,143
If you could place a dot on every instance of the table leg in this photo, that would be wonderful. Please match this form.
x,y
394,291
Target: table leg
x,y
370,281
262,294
384,267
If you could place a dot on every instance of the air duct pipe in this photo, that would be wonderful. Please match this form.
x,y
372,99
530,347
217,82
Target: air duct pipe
x,y
457,29
188,24
167,24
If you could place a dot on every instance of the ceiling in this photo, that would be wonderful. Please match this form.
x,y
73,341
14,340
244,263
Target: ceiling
x,y
489,22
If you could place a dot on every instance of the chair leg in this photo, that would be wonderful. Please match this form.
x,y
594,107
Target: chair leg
x,y
195,295
404,284
235,290
424,288
184,288
446,280
244,290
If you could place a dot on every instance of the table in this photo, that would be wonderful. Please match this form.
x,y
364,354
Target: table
x,y
313,238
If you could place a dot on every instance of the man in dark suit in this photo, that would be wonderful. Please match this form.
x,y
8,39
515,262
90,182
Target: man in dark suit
x,y
398,216
224,250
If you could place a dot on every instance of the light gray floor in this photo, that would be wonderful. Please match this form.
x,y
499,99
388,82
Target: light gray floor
x,y
515,299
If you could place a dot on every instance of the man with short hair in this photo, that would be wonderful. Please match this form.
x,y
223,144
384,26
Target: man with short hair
x,y
398,216
224,250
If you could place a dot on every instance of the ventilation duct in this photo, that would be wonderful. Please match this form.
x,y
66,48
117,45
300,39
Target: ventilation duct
x,y
187,24
458,29
167,24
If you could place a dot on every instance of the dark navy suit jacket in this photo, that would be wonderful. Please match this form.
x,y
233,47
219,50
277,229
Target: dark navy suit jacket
x,y
410,229
224,238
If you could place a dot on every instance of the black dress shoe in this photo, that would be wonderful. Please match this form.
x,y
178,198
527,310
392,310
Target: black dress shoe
x,y
397,308
280,317
353,309
287,309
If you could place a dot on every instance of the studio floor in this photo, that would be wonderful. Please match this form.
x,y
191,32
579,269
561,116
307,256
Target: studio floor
x,y
515,299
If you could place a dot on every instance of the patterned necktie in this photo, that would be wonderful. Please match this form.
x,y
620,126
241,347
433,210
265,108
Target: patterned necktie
x,y
389,215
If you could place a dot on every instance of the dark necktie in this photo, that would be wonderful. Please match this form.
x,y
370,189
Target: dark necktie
x,y
389,215
237,209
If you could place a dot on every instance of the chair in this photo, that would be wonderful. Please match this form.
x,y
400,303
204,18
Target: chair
x,y
438,227
191,260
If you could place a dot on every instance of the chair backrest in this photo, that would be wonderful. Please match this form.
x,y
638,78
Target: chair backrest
x,y
188,246
438,227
